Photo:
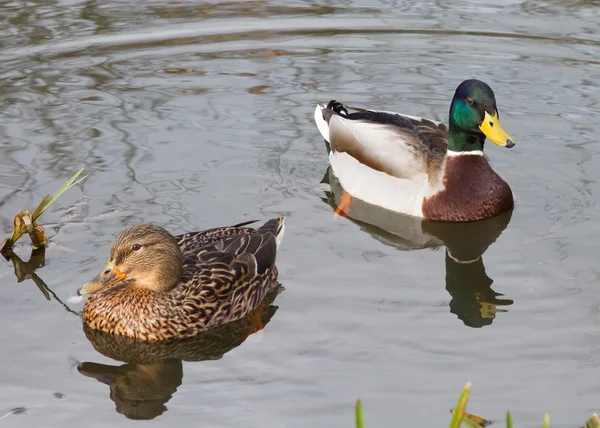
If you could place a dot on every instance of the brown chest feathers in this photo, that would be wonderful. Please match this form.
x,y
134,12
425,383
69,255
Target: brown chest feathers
x,y
473,191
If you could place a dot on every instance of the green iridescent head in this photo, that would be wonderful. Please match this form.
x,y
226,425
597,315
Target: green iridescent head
x,y
474,116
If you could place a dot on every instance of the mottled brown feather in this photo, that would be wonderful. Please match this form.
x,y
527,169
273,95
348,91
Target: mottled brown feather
x,y
223,278
141,388
210,345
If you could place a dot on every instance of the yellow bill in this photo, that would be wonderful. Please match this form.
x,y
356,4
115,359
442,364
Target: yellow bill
x,y
493,130
110,275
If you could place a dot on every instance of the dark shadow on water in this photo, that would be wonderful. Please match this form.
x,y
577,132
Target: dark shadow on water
x,y
141,388
473,299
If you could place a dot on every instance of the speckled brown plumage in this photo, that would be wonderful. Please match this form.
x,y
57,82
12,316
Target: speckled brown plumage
x,y
141,388
209,345
473,191
226,273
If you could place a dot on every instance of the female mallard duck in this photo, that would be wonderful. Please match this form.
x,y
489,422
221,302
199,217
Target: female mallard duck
x,y
417,166
158,287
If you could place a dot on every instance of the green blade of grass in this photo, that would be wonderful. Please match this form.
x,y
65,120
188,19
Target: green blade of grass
x,y
47,202
546,421
593,422
359,415
461,405
44,203
509,423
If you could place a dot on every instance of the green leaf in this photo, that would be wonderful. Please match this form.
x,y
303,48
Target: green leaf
x,y
41,205
593,422
546,421
359,415
509,423
47,202
461,405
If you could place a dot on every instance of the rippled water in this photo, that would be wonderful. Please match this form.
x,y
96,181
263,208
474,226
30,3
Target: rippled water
x,y
193,115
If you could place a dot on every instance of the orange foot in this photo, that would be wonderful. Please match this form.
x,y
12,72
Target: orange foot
x,y
256,324
344,207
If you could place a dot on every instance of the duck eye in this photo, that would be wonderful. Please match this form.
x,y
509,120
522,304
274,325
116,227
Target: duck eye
x,y
469,101
136,247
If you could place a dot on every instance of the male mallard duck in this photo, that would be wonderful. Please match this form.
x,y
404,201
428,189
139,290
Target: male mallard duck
x,y
417,166
157,286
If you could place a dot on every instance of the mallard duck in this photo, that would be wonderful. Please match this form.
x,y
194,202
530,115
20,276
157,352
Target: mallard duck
x,y
418,166
159,287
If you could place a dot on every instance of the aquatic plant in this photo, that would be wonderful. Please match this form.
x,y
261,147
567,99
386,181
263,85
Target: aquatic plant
x,y
26,222
359,415
461,417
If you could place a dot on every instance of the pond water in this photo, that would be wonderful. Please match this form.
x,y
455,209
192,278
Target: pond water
x,y
194,115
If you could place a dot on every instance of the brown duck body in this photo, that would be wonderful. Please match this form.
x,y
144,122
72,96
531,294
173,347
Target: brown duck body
x,y
471,191
226,273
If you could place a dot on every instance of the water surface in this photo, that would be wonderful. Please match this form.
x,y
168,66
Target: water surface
x,y
193,115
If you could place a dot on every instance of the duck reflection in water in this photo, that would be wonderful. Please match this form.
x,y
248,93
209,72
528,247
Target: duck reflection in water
x,y
27,270
473,299
153,371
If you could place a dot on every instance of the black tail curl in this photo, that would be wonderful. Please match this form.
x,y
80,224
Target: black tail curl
x,y
337,107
